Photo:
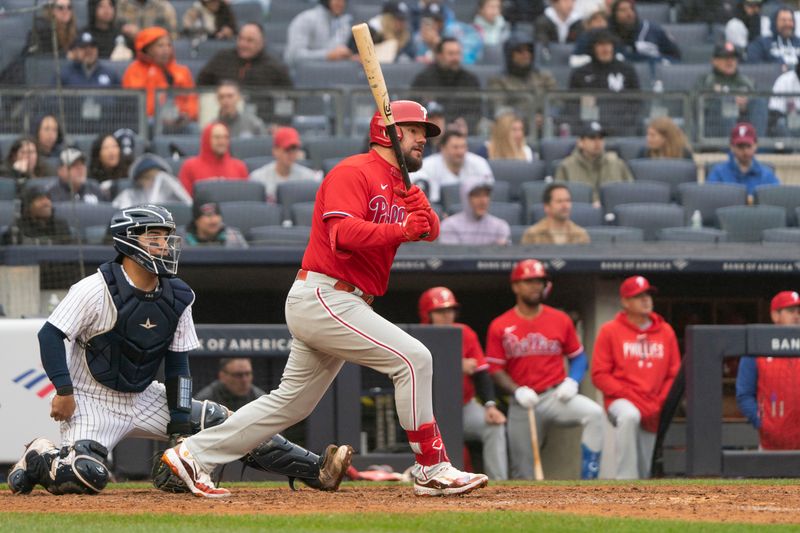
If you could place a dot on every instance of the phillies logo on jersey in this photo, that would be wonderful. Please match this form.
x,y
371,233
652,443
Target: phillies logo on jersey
x,y
643,350
383,213
35,380
534,344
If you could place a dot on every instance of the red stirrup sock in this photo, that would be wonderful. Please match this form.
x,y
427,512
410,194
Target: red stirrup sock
x,y
427,444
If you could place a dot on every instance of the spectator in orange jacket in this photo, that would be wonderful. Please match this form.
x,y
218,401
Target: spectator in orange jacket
x,y
214,161
636,359
155,68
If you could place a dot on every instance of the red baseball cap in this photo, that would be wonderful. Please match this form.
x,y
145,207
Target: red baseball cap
x,y
785,299
634,286
286,137
743,133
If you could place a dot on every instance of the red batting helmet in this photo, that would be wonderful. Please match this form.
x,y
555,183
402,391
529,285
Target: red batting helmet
x,y
404,111
528,269
433,299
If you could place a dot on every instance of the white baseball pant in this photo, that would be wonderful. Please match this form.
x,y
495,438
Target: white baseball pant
x,y
493,437
580,410
633,446
328,327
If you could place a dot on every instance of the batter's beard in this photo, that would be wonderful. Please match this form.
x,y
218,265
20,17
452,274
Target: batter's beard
x,y
412,163
532,301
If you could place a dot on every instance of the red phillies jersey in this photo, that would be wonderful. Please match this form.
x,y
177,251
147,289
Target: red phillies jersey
x,y
471,349
532,350
360,187
635,364
778,399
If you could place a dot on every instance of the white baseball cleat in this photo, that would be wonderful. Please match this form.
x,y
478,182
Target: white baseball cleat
x,y
444,479
179,459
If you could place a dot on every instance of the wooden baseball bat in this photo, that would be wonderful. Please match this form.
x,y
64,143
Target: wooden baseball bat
x,y
372,68
537,460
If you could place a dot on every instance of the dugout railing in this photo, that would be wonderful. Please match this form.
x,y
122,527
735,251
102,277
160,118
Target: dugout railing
x,y
706,349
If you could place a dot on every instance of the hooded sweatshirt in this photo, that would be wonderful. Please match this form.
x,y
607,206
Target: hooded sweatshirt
x,y
636,364
106,39
775,49
164,188
551,29
466,228
208,165
644,40
144,74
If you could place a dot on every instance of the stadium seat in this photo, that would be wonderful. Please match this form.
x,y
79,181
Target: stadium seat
x,y
511,212
628,148
276,36
278,236
312,125
764,74
247,215
614,234
631,192
295,191
658,13
781,235
42,184
284,12
81,215
327,75
516,233
747,223
556,148
247,11
532,192
7,189
303,213
583,214
707,198
364,12
673,172
686,234
254,163
211,47
184,145
492,54
485,72
650,217
786,196
7,212
329,163
553,53
181,213
242,147
688,34
680,76
319,150
516,173
400,75
229,191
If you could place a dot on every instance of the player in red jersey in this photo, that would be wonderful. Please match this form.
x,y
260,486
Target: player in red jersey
x,y
526,347
635,361
483,421
362,214
766,387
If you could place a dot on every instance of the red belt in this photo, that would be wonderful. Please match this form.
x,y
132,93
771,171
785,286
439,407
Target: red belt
x,y
340,286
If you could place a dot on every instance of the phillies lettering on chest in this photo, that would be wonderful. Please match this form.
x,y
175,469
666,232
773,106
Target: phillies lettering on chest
x,y
531,344
383,213
643,349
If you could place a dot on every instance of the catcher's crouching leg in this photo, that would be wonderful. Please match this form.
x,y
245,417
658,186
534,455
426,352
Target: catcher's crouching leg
x,y
281,456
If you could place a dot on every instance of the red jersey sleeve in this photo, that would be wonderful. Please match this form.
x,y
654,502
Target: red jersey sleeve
x,y
471,347
495,353
603,364
572,345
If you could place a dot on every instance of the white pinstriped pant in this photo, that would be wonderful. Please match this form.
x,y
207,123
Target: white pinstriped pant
x,y
108,416
328,327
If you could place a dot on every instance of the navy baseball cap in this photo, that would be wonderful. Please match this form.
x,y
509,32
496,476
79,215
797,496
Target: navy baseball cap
x,y
84,40
591,129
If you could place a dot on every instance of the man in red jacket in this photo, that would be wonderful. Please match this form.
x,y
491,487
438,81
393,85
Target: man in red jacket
x,y
215,160
636,359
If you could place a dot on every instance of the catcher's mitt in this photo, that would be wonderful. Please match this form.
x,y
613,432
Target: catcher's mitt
x,y
163,478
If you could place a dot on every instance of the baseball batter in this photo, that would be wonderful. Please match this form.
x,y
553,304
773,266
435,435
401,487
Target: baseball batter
x,y
483,421
362,214
120,323
525,348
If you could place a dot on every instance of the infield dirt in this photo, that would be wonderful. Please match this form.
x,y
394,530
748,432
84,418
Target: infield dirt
x,y
778,504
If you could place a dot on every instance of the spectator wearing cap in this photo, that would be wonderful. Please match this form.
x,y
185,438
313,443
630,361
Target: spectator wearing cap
x,y
135,15
429,32
105,28
214,160
36,223
85,70
233,387
560,23
153,183
126,138
474,225
453,164
606,73
636,358
590,163
208,229
523,84
733,105
491,24
746,24
781,46
766,387
436,115
320,34
640,40
73,183
241,125
286,149
742,167
556,226
784,111
391,34
155,68
209,19
420,9
106,164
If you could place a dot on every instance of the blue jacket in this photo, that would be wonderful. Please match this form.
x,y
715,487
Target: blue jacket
x,y
774,49
73,75
746,388
729,172
646,41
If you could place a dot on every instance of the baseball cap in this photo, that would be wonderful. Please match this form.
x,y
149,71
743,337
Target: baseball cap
x,y
205,208
83,40
435,108
591,129
634,286
433,11
286,137
743,133
145,163
726,49
126,138
785,299
70,156
397,9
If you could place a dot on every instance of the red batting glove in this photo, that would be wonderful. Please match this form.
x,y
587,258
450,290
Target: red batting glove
x,y
415,199
415,225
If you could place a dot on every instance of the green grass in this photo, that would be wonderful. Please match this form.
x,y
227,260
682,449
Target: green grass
x,y
440,522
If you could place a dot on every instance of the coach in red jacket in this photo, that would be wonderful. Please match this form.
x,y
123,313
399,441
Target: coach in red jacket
x,y
636,359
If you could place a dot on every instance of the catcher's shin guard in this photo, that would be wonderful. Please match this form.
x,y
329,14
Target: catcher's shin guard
x,y
79,469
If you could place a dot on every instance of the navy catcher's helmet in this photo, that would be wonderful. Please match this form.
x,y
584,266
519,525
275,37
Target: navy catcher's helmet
x,y
129,223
